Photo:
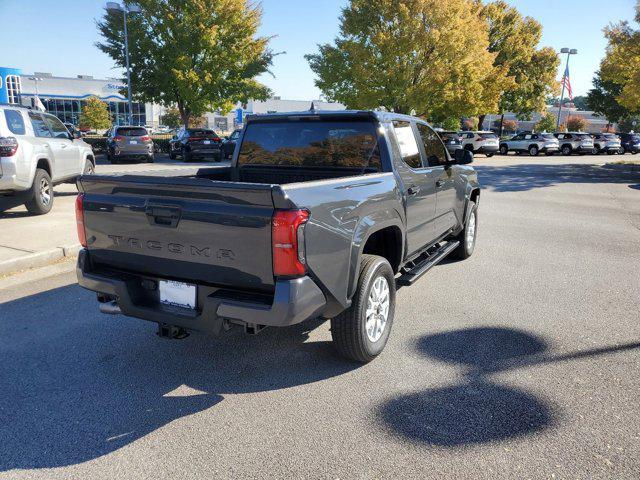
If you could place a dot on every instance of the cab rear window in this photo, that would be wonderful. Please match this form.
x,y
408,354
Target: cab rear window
x,y
15,122
349,144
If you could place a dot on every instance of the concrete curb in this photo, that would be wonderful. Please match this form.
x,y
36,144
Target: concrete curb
x,y
38,259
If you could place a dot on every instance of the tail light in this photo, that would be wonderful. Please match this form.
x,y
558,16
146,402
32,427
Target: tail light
x,y
8,146
287,237
216,139
194,139
145,138
118,138
82,234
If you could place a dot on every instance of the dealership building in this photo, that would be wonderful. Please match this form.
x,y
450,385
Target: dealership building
x,y
64,97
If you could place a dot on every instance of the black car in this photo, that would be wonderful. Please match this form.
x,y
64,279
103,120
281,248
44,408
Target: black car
x,y
229,144
452,141
630,142
191,143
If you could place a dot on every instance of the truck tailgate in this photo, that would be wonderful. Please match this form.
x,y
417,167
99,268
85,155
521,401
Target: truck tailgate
x,y
190,229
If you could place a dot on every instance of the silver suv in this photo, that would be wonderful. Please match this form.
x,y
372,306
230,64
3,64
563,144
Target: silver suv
x,y
36,153
575,142
534,143
607,142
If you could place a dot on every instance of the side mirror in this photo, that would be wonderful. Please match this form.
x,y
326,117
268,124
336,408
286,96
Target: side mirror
x,y
463,156
77,134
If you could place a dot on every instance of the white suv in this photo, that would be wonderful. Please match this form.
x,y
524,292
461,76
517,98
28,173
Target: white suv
x,y
480,142
36,153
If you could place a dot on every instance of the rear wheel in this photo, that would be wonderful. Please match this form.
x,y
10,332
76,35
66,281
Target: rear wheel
x,y
41,200
172,155
534,150
489,154
89,168
566,150
504,150
361,332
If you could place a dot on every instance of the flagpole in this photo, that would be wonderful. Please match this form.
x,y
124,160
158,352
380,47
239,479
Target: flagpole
x,y
569,52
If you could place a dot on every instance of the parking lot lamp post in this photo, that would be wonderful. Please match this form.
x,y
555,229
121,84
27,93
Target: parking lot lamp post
x,y
569,52
35,82
125,9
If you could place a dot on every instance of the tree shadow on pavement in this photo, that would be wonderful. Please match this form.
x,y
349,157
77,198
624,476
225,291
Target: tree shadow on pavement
x,y
77,385
479,410
523,177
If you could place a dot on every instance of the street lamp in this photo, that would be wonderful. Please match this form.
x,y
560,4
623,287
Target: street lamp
x,y
35,81
569,52
125,9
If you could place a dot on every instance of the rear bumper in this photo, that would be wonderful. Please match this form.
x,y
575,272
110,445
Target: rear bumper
x,y
204,152
487,149
293,301
550,149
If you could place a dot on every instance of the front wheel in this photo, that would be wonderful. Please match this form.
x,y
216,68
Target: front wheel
x,y
467,237
361,332
489,154
566,150
504,150
533,151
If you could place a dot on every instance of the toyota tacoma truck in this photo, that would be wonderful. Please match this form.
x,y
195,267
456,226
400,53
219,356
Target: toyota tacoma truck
x,y
320,214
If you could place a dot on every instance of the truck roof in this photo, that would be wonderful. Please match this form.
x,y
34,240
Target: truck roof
x,y
374,114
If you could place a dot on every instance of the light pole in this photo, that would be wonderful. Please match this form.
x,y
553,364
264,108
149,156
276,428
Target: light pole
x,y
35,82
569,52
125,9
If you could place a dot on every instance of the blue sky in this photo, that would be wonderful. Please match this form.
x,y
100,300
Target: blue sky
x,y
57,36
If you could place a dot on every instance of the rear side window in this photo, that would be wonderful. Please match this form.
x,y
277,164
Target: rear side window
x,y
131,131
56,126
407,142
40,128
313,143
433,147
15,122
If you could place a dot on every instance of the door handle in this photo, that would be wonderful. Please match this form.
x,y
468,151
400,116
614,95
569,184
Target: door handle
x,y
439,183
413,190
64,145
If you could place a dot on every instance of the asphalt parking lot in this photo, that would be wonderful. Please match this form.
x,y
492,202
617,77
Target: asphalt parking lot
x,y
521,362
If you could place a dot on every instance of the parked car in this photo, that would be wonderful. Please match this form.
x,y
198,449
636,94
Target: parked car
x,y
607,143
630,142
320,214
533,143
192,143
451,140
480,142
575,142
36,153
229,144
73,130
129,143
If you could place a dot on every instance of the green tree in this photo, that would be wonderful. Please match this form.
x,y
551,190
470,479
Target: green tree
x,y
514,39
576,123
95,114
423,55
200,55
171,118
451,123
621,64
603,99
547,123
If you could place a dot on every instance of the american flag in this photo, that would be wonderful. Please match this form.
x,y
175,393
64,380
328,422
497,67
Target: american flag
x,y
567,83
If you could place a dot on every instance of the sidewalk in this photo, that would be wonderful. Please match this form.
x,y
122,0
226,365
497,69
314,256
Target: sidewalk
x,y
26,243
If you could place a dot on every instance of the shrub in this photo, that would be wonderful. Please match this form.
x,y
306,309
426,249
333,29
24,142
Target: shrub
x,y
470,123
576,123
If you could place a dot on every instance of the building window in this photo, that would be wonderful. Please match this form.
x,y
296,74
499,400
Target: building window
x,y
14,88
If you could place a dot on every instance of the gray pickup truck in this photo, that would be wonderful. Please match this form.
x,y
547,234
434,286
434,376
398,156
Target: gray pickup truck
x,y
320,215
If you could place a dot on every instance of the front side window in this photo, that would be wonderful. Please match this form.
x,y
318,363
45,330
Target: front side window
x,y
312,143
407,143
56,126
433,147
15,122
40,128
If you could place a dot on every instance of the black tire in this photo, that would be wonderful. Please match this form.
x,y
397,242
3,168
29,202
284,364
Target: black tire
x,y
489,154
186,155
566,150
38,203
549,154
534,151
172,154
504,150
348,329
465,249
89,167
